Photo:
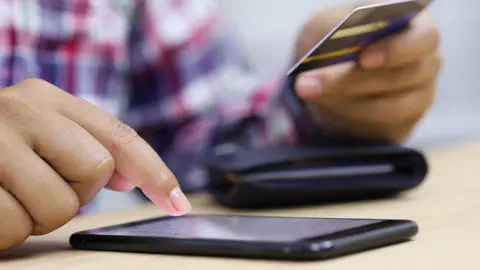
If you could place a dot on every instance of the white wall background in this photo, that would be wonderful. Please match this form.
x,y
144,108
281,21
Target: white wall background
x,y
268,28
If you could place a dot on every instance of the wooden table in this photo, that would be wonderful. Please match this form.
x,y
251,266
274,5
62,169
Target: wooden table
x,y
447,208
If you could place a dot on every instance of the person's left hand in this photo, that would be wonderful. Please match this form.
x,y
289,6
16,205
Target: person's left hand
x,y
385,94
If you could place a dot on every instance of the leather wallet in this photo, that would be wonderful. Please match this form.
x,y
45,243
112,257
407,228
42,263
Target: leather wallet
x,y
285,176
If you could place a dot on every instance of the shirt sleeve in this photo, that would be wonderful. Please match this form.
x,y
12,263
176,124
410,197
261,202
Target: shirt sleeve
x,y
192,91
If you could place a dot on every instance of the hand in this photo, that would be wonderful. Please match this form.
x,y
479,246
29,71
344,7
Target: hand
x,y
384,95
57,152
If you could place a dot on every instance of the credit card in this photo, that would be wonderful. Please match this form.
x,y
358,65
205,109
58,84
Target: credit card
x,y
360,28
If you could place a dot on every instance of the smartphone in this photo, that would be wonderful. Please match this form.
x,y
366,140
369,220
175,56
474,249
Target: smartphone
x,y
261,237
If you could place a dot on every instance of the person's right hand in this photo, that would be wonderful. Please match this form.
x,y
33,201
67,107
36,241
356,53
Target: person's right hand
x,y
58,151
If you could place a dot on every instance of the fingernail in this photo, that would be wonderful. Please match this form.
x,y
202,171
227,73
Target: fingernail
x,y
373,59
308,85
180,201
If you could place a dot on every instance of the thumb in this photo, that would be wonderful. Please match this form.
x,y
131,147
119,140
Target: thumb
x,y
317,83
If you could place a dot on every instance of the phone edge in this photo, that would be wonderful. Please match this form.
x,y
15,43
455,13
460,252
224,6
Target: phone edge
x,y
326,247
391,232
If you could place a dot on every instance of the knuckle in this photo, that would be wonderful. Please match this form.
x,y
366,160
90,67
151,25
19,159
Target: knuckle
x,y
104,169
11,101
411,118
163,178
378,115
15,106
385,113
164,174
100,163
94,179
65,209
417,74
35,84
122,134
41,92
13,239
428,100
430,94
15,228
435,36
403,76
397,136
72,133
428,69
433,32
7,139
415,106
437,62
97,171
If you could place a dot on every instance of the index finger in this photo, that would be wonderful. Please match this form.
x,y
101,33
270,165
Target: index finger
x,y
419,40
134,159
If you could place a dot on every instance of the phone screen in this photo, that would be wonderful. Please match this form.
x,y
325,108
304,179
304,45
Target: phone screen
x,y
237,228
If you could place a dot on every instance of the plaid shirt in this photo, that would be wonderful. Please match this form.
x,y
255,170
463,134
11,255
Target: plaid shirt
x,y
171,68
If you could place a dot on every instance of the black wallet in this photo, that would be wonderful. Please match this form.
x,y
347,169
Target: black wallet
x,y
285,176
